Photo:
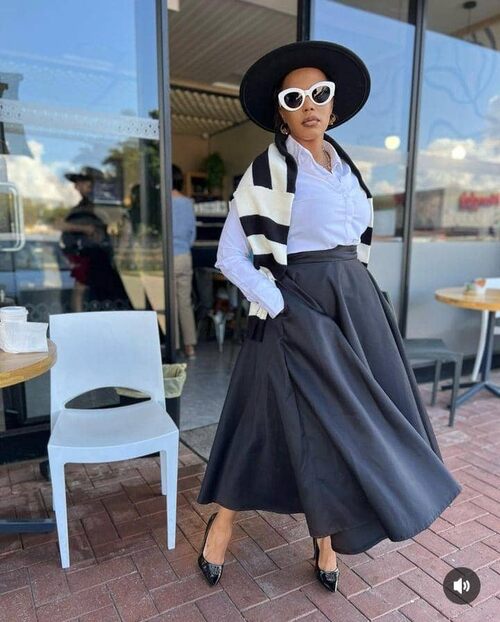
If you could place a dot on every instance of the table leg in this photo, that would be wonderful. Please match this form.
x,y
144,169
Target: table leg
x,y
44,469
27,525
462,385
484,383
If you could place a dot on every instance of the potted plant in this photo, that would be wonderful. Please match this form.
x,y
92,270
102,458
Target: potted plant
x,y
215,168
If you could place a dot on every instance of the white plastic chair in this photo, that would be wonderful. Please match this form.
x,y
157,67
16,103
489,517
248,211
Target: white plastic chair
x,y
493,282
108,349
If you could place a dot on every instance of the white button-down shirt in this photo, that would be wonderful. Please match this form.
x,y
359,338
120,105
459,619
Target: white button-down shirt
x,y
329,208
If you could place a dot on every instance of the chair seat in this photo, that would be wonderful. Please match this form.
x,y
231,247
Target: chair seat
x,y
429,348
98,431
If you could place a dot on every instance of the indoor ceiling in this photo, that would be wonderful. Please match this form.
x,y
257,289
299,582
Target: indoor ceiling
x,y
203,113
217,41
212,44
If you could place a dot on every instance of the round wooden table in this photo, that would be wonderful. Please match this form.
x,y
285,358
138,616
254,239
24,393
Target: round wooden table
x,y
15,368
490,302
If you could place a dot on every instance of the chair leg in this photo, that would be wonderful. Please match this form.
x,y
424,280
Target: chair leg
x,y
169,469
456,383
59,506
163,471
437,377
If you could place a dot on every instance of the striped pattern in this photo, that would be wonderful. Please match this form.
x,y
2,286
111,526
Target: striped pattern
x,y
264,200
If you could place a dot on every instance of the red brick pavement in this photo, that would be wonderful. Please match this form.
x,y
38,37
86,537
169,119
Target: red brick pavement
x,y
122,571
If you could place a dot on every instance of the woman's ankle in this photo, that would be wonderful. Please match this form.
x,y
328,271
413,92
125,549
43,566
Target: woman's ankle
x,y
326,553
225,516
220,533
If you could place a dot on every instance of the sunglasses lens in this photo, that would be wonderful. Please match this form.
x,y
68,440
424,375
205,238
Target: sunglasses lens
x,y
293,99
321,94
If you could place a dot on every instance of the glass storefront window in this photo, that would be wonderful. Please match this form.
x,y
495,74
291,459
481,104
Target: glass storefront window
x,y
79,165
457,173
456,233
382,34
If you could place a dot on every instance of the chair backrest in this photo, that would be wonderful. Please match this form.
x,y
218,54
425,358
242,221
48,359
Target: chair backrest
x,y
105,349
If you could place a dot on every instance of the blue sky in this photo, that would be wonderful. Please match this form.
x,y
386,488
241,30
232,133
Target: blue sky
x,y
82,54
460,94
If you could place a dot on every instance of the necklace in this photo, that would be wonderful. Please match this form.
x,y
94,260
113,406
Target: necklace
x,y
328,163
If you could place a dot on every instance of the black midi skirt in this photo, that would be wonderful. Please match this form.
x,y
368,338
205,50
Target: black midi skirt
x,y
324,416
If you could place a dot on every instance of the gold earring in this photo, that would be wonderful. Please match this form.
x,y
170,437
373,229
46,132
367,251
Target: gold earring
x,y
284,129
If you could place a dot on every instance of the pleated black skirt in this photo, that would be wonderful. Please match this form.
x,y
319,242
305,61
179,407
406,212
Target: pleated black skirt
x,y
324,416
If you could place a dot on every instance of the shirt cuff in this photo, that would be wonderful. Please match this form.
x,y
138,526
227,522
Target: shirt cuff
x,y
275,309
254,285
271,299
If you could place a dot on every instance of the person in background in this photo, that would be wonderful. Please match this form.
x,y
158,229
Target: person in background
x,y
86,243
184,234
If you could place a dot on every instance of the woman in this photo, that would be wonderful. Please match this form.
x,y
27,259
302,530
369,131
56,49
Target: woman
x,y
184,231
323,415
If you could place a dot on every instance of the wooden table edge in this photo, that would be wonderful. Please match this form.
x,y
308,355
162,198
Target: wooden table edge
x,y
466,301
37,368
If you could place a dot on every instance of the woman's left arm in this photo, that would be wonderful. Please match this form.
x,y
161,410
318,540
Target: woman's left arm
x,y
233,260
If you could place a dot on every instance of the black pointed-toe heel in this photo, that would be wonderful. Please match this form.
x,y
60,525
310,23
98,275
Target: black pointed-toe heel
x,y
328,578
212,572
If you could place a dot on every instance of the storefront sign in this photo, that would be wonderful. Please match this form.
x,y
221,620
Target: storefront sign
x,y
472,201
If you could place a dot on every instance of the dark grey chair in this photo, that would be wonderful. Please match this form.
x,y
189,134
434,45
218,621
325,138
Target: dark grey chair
x,y
435,350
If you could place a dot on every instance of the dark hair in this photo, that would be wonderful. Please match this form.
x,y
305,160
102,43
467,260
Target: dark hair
x,y
177,178
277,117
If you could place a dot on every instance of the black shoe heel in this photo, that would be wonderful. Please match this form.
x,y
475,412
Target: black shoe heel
x,y
328,578
212,572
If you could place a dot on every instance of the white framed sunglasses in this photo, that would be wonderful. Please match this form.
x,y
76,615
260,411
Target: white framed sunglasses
x,y
293,98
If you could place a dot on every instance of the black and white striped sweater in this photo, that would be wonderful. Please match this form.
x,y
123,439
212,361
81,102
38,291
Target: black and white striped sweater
x,y
264,198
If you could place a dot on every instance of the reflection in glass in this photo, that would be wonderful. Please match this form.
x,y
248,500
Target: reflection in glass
x,y
78,125
376,138
86,243
458,164
456,212
79,143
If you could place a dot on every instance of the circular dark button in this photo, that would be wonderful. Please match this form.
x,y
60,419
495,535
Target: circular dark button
x,y
461,585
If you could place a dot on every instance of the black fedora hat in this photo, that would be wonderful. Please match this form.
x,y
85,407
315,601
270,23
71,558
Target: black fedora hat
x,y
87,173
340,64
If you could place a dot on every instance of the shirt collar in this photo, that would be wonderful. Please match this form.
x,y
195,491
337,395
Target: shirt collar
x,y
302,155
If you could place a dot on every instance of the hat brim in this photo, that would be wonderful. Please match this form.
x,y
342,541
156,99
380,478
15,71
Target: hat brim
x,y
340,64
74,177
